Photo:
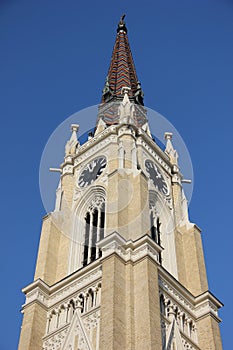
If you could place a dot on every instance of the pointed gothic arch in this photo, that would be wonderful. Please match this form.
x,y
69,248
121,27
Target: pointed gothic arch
x,y
162,229
88,228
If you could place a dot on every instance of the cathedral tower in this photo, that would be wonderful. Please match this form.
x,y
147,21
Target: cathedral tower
x,y
120,266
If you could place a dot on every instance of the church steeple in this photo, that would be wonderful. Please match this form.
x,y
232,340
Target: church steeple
x,y
120,265
121,78
122,72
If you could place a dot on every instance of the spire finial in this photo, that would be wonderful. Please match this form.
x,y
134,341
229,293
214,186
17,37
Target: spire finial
x,y
121,24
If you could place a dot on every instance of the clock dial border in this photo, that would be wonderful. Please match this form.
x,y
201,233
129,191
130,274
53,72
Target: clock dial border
x,y
91,172
156,175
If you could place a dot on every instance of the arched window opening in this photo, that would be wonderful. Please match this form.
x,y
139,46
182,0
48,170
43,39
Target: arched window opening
x,y
86,238
94,234
81,300
162,305
155,229
152,227
94,230
159,238
102,224
158,231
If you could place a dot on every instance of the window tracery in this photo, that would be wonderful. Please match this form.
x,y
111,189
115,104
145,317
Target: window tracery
x,y
94,229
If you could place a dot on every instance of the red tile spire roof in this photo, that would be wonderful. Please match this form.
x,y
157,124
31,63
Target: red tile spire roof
x,y
122,71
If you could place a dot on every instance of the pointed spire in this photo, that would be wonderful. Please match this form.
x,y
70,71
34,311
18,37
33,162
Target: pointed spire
x,y
122,71
122,77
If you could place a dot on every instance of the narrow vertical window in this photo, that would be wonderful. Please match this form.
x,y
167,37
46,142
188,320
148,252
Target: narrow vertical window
x,y
94,235
86,238
102,224
155,230
158,231
94,231
152,227
159,238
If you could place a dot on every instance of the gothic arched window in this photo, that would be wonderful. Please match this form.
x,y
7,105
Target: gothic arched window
x,y
94,230
155,227
155,223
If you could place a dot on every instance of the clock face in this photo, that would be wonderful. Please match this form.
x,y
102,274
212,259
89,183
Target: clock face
x,y
92,171
156,177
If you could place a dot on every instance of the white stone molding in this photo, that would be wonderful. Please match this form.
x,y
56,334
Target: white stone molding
x,y
151,149
176,301
129,250
184,212
101,125
60,293
55,342
169,150
85,301
197,307
173,338
207,303
121,155
94,145
77,193
59,193
134,160
67,169
126,109
73,141
81,325
103,179
37,291
146,128
77,328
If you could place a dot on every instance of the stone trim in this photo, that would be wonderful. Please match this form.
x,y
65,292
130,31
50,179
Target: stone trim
x,y
50,295
199,306
129,250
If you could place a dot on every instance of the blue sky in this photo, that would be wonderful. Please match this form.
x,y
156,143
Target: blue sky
x,y
54,57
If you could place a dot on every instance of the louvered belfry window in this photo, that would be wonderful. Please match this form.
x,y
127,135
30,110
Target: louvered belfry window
x,y
94,230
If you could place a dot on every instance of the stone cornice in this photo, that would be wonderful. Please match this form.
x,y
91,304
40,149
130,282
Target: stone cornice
x,y
142,139
39,291
96,139
199,306
129,250
154,146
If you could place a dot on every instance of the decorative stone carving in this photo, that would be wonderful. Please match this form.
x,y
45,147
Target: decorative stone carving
x,y
72,144
97,202
179,306
129,250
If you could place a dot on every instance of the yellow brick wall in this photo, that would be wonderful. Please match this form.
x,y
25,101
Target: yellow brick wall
x,y
46,267
130,310
209,334
195,279
147,323
33,328
127,205
113,321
